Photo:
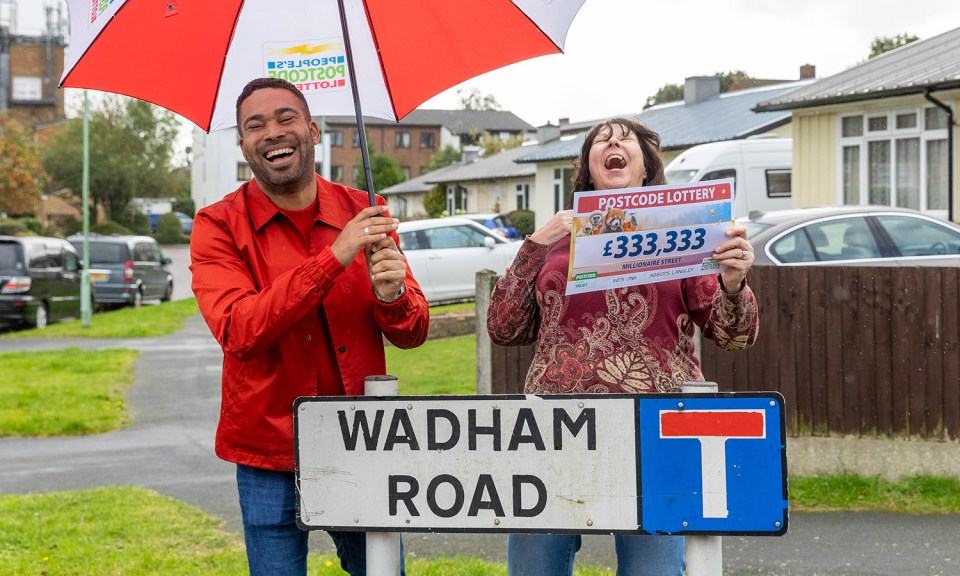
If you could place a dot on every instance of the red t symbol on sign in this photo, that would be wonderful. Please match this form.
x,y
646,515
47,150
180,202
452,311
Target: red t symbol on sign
x,y
712,428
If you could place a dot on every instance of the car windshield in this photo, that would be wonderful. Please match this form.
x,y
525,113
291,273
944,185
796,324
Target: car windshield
x,y
753,228
918,237
107,253
680,176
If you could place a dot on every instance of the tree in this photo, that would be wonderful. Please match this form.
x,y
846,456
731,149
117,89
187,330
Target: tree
x,y
385,170
492,145
435,201
886,44
674,92
728,78
22,178
131,147
443,157
666,93
472,99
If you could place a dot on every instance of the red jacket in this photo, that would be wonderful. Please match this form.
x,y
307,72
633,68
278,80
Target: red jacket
x,y
259,286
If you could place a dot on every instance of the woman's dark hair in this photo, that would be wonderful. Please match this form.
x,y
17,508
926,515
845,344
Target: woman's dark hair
x,y
649,143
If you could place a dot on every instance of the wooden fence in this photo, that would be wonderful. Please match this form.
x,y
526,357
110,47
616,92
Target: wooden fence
x,y
866,352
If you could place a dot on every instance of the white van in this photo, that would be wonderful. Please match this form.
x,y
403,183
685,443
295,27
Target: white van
x,y
760,167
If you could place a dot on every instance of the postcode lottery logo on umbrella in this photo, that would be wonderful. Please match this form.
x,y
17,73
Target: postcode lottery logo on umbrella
x,y
97,7
313,66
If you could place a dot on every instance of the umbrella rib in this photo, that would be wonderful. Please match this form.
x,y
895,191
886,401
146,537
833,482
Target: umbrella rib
x,y
537,26
89,44
233,31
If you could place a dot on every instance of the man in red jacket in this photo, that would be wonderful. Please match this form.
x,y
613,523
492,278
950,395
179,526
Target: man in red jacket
x,y
299,279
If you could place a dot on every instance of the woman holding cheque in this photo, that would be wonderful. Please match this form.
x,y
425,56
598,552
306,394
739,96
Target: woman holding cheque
x,y
623,340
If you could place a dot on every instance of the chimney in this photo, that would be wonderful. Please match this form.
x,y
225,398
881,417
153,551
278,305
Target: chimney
x,y
469,154
808,71
547,133
699,88
563,121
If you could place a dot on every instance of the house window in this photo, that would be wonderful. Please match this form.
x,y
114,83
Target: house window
x,y
243,172
356,138
336,139
936,181
852,126
562,185
336,173
906,121
523,196
398,207
402,139
428,140
898,160
406,172
456,200
778,183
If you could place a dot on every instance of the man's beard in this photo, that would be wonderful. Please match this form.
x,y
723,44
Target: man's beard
x,y
287,181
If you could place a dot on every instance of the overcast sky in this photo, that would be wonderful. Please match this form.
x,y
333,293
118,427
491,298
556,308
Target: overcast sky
x,y
619,52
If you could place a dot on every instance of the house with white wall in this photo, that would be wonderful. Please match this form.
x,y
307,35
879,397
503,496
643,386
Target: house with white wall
x,y
882,132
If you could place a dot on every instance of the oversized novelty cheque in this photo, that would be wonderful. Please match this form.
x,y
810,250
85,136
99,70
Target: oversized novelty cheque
x,y
638,236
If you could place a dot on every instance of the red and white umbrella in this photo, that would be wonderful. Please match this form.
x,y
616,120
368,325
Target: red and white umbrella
x,y
195,56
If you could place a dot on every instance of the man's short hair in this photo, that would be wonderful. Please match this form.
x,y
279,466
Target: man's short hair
x,y
259,83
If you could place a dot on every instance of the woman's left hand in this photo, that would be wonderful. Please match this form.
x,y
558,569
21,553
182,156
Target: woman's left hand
x,y
736,255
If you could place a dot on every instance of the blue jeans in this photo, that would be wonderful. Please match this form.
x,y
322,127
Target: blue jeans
x,y
552,554
275,544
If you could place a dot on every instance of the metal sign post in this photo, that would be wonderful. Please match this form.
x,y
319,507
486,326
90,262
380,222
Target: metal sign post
x,y
704,553
384,552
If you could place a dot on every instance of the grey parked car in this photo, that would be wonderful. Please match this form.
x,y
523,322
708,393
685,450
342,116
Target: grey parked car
x,y
852,236
39,281
126,270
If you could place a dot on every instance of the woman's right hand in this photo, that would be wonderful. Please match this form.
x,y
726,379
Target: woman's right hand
x,y
555,229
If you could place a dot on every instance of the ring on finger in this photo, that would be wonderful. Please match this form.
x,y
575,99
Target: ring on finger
x,y
366,230
743,253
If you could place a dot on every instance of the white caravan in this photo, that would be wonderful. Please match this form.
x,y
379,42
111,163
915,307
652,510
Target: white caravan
x,y
760,167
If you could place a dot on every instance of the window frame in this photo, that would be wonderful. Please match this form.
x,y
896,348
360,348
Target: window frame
x,y
856,149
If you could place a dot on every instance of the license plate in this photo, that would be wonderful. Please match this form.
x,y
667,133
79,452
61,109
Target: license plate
x,y
97,277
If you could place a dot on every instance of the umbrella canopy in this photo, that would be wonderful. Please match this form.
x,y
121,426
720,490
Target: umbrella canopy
x,y
194,56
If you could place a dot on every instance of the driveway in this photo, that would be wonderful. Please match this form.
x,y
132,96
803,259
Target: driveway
x,y
169,448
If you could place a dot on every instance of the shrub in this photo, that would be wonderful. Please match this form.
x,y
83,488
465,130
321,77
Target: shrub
x,y
170,230
523,220
141,224
110,227
9,227
32,225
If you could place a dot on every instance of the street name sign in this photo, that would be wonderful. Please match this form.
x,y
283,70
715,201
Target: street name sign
x,y
603,463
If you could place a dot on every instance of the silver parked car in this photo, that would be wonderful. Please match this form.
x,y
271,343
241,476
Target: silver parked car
x,y
445,255
126,270
852,236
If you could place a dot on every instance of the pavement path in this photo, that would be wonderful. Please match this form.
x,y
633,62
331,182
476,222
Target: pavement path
x,y
169,448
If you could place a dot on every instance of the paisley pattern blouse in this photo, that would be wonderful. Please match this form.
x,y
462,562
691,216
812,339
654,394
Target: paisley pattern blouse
x,y
635,339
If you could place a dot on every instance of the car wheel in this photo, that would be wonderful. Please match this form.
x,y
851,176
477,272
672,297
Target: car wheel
x,y
40,317
137,298
167,293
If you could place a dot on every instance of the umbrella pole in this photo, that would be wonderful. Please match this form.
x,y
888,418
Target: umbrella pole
x,y
356,104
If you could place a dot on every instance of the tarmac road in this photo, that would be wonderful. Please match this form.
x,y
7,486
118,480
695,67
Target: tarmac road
x,y
169,448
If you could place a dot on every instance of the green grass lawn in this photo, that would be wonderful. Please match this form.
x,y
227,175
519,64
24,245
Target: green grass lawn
x,y
64,392
146,321
132,532
443,366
